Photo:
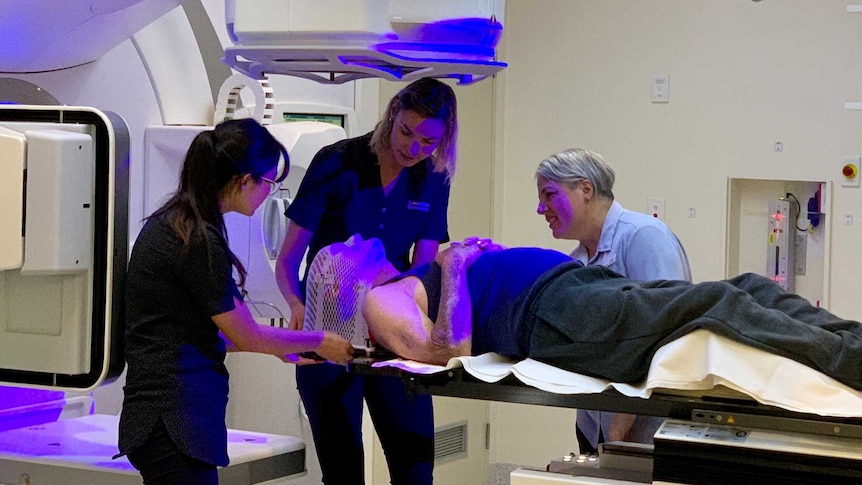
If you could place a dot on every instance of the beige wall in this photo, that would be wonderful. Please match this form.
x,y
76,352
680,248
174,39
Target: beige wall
x,y
743,75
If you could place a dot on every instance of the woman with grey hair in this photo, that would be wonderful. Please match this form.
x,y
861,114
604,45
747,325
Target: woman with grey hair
x,y
576,198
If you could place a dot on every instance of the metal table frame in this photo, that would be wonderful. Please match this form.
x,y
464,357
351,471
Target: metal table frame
x,y
714,410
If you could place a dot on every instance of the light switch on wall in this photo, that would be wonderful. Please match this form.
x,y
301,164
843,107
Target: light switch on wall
x,y
660,88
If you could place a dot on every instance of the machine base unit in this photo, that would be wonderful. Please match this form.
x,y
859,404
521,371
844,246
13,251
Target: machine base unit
x,y
526,476
620,461
694,453
80,450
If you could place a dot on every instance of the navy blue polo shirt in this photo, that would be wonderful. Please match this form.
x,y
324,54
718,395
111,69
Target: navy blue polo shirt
x,y
498,283
342,194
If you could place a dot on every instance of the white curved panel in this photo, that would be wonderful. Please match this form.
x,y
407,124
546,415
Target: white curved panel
x,y
45,35
172,58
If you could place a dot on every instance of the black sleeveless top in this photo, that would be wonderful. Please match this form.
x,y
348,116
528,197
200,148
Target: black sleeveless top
x,y
498,283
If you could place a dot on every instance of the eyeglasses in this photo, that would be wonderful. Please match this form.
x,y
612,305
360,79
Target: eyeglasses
x,y
274,186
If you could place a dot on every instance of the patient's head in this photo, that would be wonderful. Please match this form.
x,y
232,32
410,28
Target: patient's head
x,y
338,279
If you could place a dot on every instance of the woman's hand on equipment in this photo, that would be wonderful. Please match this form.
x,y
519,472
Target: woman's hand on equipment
x,y
335,349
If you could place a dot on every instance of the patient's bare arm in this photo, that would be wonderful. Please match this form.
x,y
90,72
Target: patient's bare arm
x,y
397,316
397,313
454,326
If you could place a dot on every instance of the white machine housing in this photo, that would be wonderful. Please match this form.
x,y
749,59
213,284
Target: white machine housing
x,y
685,452
255,240
63,238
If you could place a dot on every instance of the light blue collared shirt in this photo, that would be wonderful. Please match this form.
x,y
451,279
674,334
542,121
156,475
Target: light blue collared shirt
x,y
639,247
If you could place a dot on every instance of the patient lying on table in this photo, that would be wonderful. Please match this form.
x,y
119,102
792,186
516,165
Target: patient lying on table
x,y
530,302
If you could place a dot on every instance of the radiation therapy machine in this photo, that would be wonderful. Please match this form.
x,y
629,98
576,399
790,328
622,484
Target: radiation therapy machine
x,y
76,180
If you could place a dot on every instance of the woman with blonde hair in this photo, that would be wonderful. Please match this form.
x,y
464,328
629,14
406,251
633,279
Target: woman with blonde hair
x,y
391,184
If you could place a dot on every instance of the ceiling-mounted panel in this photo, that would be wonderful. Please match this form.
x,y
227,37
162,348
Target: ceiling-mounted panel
x,y
335,42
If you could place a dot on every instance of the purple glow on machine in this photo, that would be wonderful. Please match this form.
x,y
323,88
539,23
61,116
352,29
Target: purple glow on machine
x,y
13,400
468,39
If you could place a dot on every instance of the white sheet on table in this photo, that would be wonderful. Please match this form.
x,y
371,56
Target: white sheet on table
x,y
698,361
488,367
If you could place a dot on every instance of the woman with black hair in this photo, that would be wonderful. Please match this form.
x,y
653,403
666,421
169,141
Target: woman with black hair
x,y
184,310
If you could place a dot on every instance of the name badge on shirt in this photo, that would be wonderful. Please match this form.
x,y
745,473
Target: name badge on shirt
x,y
418,206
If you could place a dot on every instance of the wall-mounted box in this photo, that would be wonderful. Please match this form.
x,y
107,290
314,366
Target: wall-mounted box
x,y
748,202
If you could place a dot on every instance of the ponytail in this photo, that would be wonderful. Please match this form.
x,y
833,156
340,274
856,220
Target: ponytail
x,y
215,160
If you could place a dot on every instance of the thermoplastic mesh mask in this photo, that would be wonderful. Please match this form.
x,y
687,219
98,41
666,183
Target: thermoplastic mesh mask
x,y
335,289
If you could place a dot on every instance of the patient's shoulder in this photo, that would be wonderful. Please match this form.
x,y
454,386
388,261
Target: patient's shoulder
x,y
407,287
